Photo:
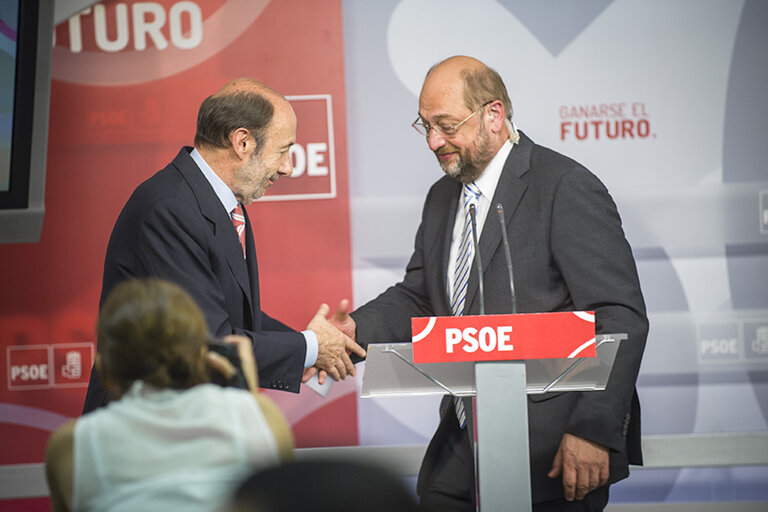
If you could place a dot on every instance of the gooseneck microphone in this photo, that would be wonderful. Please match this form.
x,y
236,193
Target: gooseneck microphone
x,y
500,211
478,262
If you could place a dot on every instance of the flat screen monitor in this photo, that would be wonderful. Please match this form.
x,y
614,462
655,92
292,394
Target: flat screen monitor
x,y
26,38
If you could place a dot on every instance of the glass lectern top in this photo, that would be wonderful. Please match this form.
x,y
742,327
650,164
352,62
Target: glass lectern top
x,y
390,371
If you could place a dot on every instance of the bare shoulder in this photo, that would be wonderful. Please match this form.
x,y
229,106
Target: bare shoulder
x,y
278,424
59,465
60,441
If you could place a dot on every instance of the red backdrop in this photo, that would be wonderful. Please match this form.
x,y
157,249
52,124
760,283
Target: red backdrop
x,y
118,114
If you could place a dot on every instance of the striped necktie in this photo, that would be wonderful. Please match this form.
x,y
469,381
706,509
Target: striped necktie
x,y
466,252
461,274
238,220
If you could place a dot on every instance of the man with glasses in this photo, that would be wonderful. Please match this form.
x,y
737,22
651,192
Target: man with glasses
x,y
569,253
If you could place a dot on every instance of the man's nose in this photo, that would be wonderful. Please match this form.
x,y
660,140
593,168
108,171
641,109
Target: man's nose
x,y
286,166
435,139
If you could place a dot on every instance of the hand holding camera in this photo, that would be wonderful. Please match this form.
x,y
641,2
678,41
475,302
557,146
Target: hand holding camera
x,y
231,363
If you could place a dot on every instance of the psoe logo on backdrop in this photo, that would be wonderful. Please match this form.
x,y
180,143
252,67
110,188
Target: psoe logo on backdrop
x,y
72,364
605,121
29,367
314,164
64,365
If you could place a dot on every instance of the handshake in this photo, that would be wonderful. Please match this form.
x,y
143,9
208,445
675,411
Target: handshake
x,y
335,343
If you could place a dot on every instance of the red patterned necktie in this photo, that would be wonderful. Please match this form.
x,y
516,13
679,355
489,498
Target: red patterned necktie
x,y
238,220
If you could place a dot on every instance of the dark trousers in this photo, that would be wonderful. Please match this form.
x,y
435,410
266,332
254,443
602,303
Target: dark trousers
x,y
434,501
445,484
595,501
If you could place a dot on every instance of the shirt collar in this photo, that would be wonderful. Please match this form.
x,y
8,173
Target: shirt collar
x,y
223,192
490,178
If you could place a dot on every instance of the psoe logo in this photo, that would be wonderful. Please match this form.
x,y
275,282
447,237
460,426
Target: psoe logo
x,y
28,367
64,365
760,343
72,364
313,155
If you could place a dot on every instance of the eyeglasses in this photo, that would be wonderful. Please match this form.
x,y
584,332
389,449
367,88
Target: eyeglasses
x,y
444,129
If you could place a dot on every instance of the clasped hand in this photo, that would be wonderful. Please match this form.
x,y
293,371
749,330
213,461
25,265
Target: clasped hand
x,y
334,346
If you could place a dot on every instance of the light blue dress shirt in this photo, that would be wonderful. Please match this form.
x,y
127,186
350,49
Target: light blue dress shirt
x,y
229,201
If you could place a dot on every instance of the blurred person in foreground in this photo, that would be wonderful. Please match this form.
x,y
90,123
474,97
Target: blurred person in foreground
x,y
169,440
323,485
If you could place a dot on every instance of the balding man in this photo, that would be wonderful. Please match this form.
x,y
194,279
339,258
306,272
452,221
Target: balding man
x,y
569,253
187,224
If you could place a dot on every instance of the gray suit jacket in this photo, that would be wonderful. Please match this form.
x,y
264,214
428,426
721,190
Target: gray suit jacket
x,y
569,253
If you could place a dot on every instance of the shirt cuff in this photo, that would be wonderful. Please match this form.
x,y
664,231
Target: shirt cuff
x,y
311,338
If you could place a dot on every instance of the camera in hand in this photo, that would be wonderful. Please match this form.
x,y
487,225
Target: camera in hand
x,y
228,351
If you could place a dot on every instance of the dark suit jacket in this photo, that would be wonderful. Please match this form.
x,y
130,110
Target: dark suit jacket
x,y
174,227
569,253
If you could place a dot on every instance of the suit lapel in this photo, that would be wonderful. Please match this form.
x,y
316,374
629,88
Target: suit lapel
x,y
509,191
450,220
221,223
252,266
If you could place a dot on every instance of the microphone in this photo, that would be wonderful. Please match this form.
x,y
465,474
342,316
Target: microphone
x,y
479,263
500,211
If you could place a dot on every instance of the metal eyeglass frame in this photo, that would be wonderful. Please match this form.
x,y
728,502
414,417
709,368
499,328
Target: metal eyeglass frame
x,y
446,131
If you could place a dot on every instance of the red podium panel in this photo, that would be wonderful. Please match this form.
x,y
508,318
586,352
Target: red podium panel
x,y
447,339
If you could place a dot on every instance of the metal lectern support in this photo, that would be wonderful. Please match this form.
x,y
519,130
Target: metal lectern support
x,y
501,412
503,475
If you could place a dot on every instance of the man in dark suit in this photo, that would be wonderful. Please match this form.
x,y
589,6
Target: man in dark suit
x,y
569,253
187,224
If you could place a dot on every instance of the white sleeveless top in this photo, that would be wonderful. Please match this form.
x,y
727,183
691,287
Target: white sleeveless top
x,y
169,450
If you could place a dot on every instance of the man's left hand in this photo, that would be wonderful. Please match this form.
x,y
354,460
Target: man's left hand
x,y
583,464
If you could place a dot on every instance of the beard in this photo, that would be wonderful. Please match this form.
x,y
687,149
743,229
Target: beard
x,y
471,161
251,181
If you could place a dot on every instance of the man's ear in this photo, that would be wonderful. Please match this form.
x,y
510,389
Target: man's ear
x,y
242,142
496,115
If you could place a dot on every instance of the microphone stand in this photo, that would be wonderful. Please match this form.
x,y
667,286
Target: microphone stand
x,y
507,254
478,263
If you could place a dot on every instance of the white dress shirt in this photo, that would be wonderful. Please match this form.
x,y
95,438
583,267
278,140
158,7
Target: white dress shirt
x,y
487,184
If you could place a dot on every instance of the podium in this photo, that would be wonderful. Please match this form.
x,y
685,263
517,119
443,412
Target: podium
x,y
500,389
